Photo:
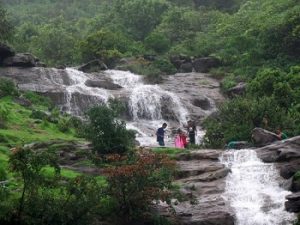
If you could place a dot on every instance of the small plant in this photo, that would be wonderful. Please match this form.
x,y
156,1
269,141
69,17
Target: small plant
x,y
8,88
4,112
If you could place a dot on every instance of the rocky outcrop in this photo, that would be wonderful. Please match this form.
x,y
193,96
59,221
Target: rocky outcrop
x,y
186,64
202,180
293,203
93,66
262,137
21,60
286,155
5,51
102,84
203,103
204,64
237,90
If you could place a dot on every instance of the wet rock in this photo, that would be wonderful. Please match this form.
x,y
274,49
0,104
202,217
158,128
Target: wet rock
x,y
102,84
293,203
238,90
5,51
20,60
295,184
196,167
201,154
93,66
204,64
203,103
186,67
262,137
202,181
280,151
288,169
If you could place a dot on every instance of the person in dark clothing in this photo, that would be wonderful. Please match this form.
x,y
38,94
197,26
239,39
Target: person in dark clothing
x,y
160,134
192,132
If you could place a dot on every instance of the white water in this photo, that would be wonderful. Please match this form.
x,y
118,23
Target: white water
x,y
146,106
149,105
253,190
77,85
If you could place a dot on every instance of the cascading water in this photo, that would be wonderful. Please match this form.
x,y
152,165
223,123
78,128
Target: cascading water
x,y
149,106
253,190
77,85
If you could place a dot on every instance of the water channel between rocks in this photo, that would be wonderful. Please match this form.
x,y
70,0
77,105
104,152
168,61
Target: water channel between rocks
x,y
253,190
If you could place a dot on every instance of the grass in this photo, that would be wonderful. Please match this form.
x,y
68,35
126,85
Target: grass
x,y
21,129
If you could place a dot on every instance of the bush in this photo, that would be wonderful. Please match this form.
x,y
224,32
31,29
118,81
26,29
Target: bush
x,y
145,177
108,134
37,99
236,119
165,66
42,198
8,88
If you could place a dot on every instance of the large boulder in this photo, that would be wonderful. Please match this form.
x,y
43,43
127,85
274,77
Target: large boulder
x,y
5,51
93,66
262,137
237,90
202,102
287,156
204,64
186,67
102,84
20,60
293,203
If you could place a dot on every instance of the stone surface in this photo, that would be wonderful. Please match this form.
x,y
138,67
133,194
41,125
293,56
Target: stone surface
x,y
5,51
237,90
204,64
20,60
262,137
293,203
102,84
93,66
202,180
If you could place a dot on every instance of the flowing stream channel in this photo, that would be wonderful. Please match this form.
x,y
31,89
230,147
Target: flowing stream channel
x,y
253,190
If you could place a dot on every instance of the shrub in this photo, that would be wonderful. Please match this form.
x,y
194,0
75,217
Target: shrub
x,y
236,119
145,177
165,66
8,88
108,134
42,198
37,99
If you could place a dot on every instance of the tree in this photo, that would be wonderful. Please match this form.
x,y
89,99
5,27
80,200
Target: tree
x,y
107,133
5,25
141,16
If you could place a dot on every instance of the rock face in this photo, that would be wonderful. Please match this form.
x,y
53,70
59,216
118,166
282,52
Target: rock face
x,y
5,51
103,84
21,60
202,179
93,66
262,137
204,64
238,90
199,93
286,155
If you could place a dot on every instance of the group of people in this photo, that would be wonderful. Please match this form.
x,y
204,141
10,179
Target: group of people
x,y
180,137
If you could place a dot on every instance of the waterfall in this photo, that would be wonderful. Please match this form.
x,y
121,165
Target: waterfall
x,y
253,190
149,101
149,106
77,93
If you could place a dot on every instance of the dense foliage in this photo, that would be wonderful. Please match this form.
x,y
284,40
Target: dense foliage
x,y
107,133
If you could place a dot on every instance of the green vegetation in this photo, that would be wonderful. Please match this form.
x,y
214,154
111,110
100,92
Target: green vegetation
x,y
108,134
